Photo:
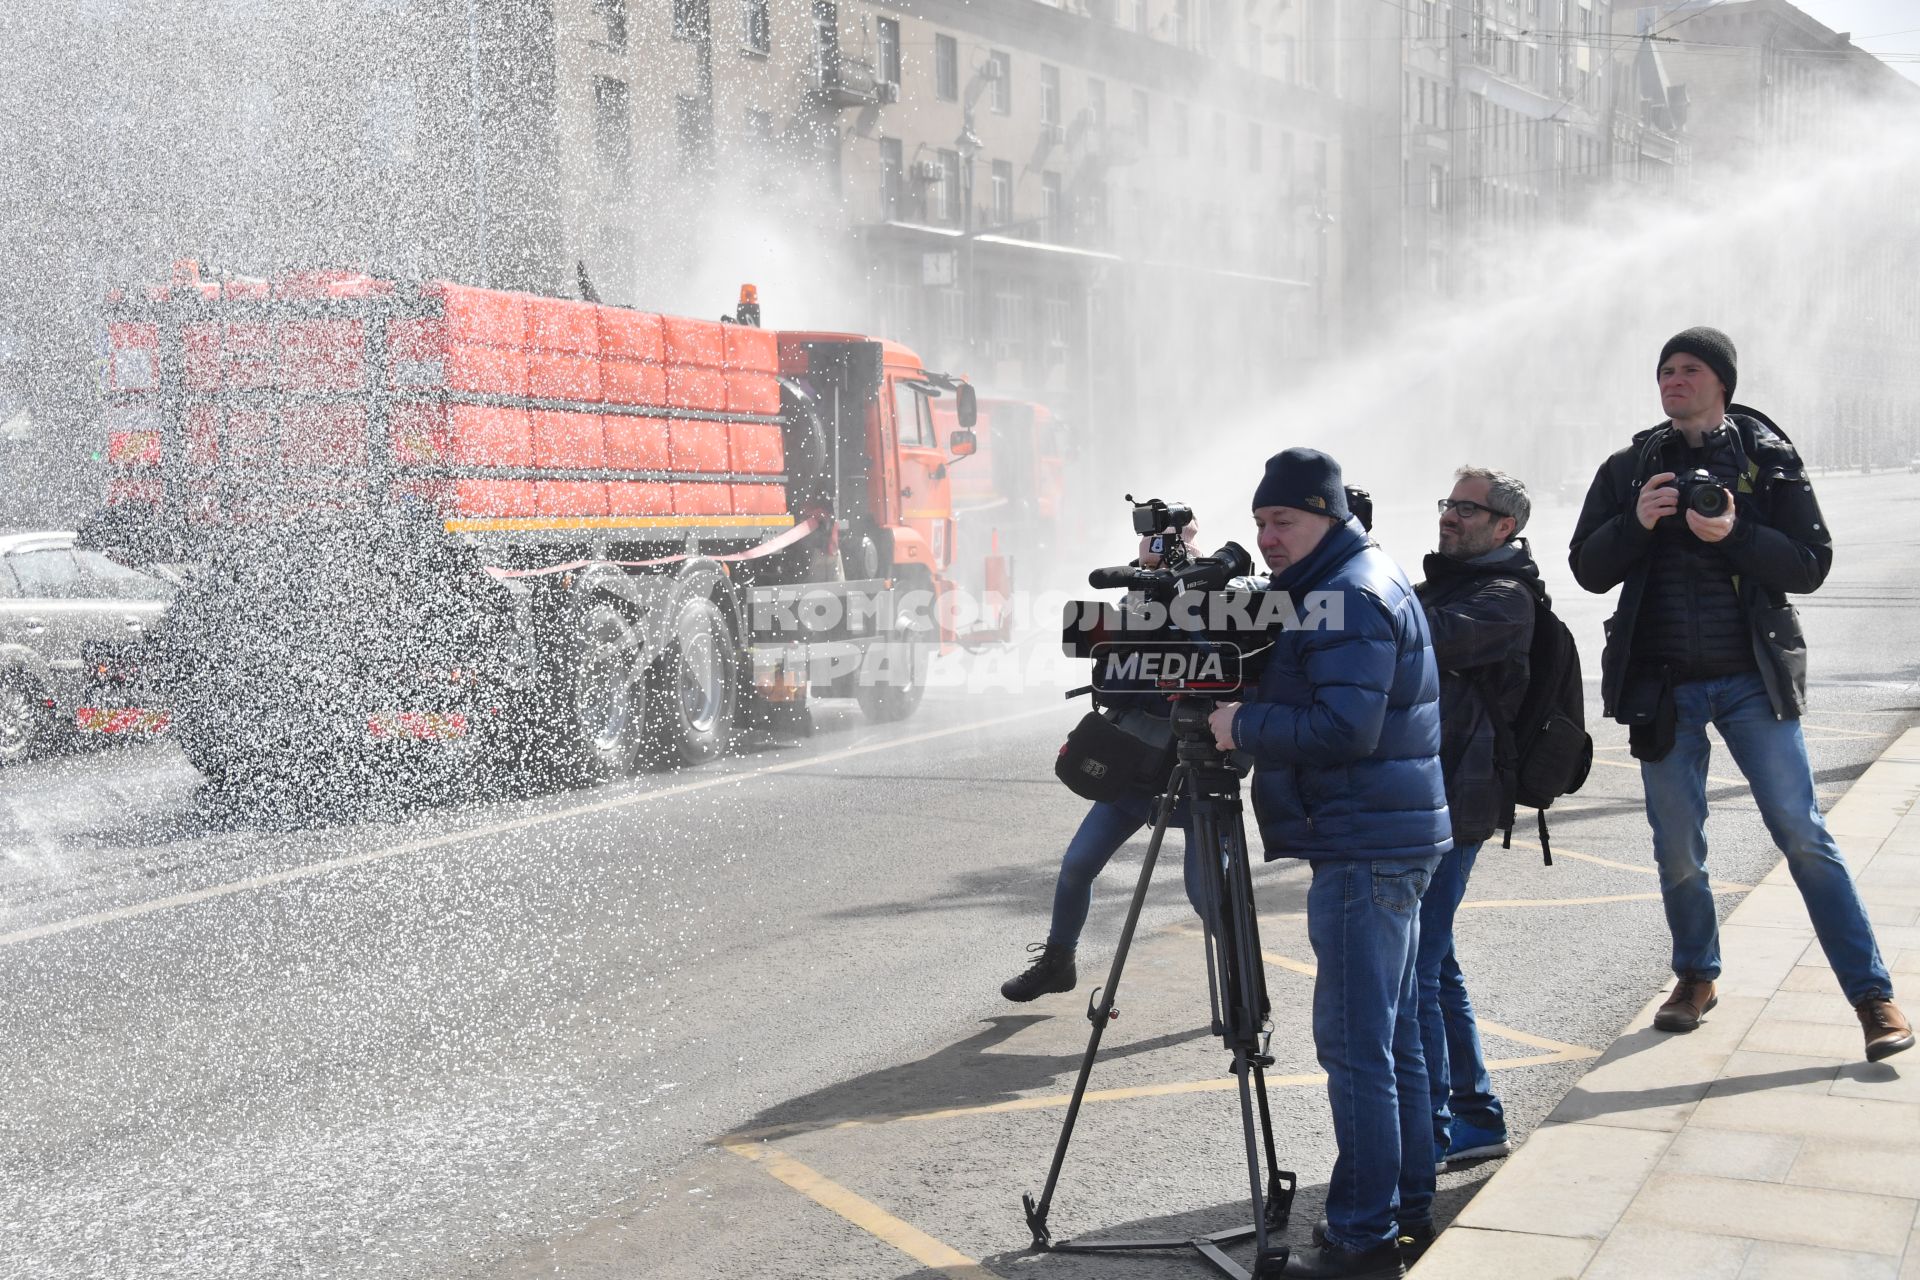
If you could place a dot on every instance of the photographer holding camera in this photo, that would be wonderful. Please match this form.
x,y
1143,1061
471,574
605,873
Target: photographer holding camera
x,y
1344,729
1707,522
1109,824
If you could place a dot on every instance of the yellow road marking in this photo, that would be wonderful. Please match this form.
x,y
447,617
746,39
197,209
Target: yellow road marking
x,y
1490,904
1838,731
622,801
1712,777
1593,858
860,1211
1562,1052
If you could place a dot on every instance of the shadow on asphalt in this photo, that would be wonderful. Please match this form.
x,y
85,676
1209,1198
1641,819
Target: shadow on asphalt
x,y
964,1074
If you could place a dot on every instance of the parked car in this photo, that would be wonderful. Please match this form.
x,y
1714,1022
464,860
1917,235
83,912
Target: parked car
x,y
61,608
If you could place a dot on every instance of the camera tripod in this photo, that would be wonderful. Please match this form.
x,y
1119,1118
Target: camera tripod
x,y
1236,988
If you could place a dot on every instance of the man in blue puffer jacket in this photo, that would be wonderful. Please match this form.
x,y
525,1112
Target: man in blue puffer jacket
x,y
1344,730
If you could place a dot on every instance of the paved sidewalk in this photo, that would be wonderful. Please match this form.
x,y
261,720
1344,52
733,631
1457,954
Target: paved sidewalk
x,y
1763,1144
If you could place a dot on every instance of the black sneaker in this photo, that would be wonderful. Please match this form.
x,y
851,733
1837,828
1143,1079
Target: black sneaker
x,y
1051,971
1414,1238
1331,1262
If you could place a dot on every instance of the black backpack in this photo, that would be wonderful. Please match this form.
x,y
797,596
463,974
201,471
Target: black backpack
x,y
1546,752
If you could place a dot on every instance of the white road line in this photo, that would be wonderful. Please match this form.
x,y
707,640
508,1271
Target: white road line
x,y
313,869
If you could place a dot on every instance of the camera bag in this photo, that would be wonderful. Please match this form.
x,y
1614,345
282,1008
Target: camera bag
x,y
1117,754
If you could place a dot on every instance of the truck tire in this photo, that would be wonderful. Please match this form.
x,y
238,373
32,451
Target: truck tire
x,y
606,700
695,691
26,726
912,643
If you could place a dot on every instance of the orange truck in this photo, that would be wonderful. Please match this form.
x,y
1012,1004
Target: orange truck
x,y
442,522
1009,501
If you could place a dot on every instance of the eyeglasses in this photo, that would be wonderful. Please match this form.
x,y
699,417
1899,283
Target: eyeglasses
x,y
1465,509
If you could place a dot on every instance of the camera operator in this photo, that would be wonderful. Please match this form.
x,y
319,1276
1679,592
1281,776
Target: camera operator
x,y
1344,729
1707,522
1479,594
1107,826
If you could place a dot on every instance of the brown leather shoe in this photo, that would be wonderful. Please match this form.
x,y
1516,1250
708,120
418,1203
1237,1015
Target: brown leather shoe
x,y
1888,1031
1691,998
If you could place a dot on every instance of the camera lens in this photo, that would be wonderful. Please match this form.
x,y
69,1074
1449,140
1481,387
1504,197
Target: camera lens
x,y
1710,500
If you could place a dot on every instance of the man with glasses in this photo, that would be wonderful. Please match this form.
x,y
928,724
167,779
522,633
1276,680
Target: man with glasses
x,y
1703,634
1479,596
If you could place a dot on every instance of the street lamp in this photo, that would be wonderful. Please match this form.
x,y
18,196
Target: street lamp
x,y
967,146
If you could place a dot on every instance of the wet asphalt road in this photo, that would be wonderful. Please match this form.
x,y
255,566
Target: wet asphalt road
x,y
498,1038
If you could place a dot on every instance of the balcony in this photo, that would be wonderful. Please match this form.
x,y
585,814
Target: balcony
x,y
841,82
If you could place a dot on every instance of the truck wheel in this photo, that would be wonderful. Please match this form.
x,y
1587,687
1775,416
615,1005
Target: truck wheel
x,y
609,692
902,680
695,690
25,724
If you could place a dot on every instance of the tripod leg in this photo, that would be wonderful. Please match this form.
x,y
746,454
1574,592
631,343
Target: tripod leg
x,y
1280,1185
1100,1015
1203,829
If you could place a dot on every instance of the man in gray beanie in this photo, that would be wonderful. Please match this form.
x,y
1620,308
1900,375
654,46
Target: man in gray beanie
x,y
1344,730
1707,523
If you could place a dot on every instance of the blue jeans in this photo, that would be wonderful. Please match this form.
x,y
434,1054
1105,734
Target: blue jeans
x,y
1105,828
1363,917
1773,757
1456,1070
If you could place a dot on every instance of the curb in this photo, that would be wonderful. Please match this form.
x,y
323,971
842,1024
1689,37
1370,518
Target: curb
x,y
1708,1154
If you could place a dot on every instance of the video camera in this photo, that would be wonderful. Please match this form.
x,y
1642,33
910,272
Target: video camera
x,y
1191,624
1182,629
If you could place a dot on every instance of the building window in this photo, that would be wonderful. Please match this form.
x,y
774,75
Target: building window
x,y
1182,145
691,130
946,68
1140,18
948,203
1002,192
1436,188
1142,131
888,50
893,172
1057,309
1052,212
826,42
756,27
1049,95
1000,72
1009,318
1097,104
612,126
690,20
1183,23
826,147
613,18
1255,145
1093,210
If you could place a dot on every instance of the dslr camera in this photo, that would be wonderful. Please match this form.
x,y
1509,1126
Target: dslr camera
x,y
1701,491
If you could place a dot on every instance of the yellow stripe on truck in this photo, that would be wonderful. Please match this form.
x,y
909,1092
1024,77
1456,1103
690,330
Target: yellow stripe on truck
x,y
517,524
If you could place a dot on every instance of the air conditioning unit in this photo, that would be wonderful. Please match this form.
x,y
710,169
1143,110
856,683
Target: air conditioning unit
x,y
1054,133
887,91
928,171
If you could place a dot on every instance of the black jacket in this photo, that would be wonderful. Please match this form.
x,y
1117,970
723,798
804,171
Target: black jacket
x,y
1480,613
1779,545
